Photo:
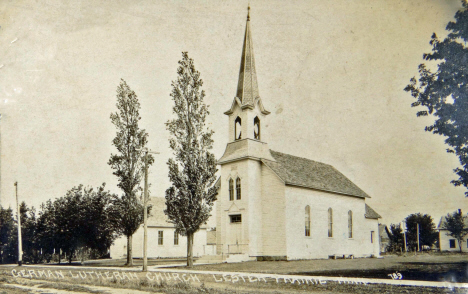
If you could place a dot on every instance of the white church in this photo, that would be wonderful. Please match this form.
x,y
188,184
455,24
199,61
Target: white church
x,y
276,206
271,205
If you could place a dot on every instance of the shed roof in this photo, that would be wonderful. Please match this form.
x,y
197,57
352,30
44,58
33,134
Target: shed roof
x,y
298,171
370,213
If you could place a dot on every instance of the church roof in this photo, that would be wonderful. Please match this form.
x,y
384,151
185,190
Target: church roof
x,y
370,213
303,172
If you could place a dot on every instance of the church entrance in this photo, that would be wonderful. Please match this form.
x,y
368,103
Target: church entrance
x,y
235,236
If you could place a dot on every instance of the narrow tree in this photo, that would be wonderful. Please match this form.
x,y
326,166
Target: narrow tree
x,y
190,199
444,91
395,235
128,163
456,224
427,232
8,249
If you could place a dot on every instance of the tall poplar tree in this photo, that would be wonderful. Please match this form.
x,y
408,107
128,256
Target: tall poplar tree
x,y
190,199
128,164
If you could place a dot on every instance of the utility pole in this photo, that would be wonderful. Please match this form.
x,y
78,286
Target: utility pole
x,y
404,234
418,237
145,213
20,242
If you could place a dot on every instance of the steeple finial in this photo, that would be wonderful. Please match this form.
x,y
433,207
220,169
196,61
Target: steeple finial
x,y
248,12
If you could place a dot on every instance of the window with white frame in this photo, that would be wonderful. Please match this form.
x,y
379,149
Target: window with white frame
x,y
176,238
307,221
238,188
160,237
231,190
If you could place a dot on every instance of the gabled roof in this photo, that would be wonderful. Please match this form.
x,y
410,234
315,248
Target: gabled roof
x,y
370,213
303,172
157,217
443,221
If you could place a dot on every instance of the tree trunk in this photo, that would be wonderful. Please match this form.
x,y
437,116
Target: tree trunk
x,y
460,245
129,251
190,249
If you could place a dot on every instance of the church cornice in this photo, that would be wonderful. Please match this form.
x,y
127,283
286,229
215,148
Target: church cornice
x,y
237,101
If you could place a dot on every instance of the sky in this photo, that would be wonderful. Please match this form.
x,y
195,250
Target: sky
x,y
332,73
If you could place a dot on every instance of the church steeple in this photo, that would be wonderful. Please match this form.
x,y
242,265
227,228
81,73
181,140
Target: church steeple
x,y
247,94
247,114
247,87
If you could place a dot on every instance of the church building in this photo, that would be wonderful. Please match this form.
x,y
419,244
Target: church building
x,y
273,205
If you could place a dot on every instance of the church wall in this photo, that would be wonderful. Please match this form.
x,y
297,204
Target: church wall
x,y
374,245
318,244
233,237
273,214
166,250
254,195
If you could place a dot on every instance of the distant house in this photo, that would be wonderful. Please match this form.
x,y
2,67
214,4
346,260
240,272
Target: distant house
x,y
448,243
163,242
384,238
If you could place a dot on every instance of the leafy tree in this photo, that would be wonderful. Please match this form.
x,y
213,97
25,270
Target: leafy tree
x,y
8,251
46,230
128,164
456,224
442,89
190,199
98,220
427,233
396,237
80,220
31,246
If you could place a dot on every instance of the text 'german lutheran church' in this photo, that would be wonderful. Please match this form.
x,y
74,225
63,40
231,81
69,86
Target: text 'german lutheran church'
x,y
273,205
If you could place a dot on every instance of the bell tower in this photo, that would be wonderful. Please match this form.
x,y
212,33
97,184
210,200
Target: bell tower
x,y
239,204
247,113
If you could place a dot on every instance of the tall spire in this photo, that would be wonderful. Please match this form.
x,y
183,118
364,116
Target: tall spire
x,y
247,87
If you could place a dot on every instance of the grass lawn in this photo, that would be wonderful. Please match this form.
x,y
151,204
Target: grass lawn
x,y
425,266
423,263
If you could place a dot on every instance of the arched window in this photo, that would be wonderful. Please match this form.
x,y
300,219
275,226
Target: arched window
x,y
231,189
238,189
237,129
307,220
330,222
350,224
256,128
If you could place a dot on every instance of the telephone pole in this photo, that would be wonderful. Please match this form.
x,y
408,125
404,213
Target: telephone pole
x,y
20,242
418,237
145,213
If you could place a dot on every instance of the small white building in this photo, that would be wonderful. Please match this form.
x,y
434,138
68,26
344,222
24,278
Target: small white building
x,y
273,205
448,243
163,242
